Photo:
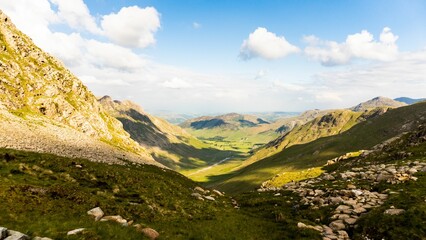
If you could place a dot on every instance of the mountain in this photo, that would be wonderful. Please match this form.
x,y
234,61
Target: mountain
x,y
331,123
377,102
44,107
227,121
302,160
409,101
168,144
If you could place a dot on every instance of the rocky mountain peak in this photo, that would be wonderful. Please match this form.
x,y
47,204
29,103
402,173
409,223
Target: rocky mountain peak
x,y
377,102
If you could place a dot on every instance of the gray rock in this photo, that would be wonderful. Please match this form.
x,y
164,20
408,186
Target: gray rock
x,y
15,235
42,238
359,210
150,233
383,176
3,232
75,231
117,219
96,212
342,234
196,195
217,192
337,225
210,198
199,189
350,221
394,211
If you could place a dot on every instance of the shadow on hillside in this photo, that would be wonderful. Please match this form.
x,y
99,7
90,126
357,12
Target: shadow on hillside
x,y
145,132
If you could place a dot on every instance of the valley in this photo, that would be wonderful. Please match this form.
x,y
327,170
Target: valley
x,y
75,165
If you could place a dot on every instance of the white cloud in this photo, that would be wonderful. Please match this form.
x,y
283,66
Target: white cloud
x,y
264,44
196,25
262,73
357,46
132,26
288,86
176,83
76,14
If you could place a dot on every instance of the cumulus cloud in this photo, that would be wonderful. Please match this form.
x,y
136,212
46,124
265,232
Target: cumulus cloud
x,y
357,46
176,83
132,26
267,45
76,14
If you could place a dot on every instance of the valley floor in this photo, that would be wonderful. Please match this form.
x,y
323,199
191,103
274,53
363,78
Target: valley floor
x,y
45,195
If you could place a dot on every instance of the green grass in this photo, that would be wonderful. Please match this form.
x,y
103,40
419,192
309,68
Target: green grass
x,y
46,195
316,153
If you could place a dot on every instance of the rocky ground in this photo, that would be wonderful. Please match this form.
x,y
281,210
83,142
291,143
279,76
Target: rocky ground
x,y
39,135
350,192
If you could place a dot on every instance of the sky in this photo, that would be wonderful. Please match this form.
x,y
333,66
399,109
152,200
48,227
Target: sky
x,y
203,56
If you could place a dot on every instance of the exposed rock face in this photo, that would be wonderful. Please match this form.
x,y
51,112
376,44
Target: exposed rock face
x,y
34,86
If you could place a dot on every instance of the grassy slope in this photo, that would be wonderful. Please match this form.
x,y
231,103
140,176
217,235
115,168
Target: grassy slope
x,y
316,153
168,144
46,195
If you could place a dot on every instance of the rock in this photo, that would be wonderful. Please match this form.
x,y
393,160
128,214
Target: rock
x,y
316,228
96,212
342,208
277,194
196,195
150,233
199,189
210,198
359,210
394,211
117,218
42,238
75,231
343,216
336,200
217,192
337,225
350,221
383,176
357,192
342,234
15,235
351,186
3,232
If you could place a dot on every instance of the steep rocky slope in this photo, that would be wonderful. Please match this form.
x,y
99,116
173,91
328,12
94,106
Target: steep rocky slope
x,y
34,86
167,143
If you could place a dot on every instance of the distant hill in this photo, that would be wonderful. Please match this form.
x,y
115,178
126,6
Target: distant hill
x,y
409,101
229,121
303,157
377,102
175,118
167,143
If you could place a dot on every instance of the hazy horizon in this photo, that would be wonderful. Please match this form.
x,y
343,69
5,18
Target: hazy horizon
x,y
234,56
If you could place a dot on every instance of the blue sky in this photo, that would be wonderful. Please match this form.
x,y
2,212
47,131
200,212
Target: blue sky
x,y
203,56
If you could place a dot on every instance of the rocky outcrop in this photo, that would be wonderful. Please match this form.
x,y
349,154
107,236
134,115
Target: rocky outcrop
x,y
51,103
